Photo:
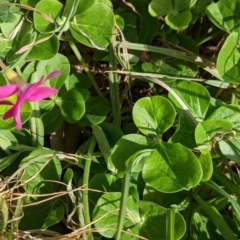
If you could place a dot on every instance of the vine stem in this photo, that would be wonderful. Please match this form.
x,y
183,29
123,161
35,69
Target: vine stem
x,y
123,203
85,67
85,187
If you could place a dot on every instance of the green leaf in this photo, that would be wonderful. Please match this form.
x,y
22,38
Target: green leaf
x,y
207,166
216,218
77,80
25,114
224,15
105,214
130,30
23,38
148,27
103,182
177,200
45,50
6,161
128,146
52,8
203,228
57,63
184,132
72,105
39,177
172,168
195,96
45,215
97,109
52,120
228,61
163,7
103,145
93,25
179,21
153,115
7,139
231,147
228,112
211,132
153,224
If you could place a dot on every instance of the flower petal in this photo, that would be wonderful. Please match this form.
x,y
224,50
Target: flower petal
x,y
40,93
15,113
50,75
8,90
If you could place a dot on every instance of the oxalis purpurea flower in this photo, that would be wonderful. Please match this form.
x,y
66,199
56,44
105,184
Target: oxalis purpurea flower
x,y
33,92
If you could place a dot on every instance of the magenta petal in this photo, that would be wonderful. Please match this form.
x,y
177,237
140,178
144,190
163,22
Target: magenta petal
x,y
8,90
40,93
50,75
15,113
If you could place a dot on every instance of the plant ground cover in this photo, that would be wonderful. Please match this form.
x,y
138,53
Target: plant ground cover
x,y
119,119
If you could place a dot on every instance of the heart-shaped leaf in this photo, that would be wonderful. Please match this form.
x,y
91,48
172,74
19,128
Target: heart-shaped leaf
x,y
153,115
171,168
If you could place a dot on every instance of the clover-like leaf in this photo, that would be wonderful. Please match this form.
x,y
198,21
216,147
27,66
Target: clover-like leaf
x,y
172,167
179,21
93,23
195,96
153,115
228,61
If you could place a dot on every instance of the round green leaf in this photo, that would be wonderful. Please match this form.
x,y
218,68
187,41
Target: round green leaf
x,y
228,61
103,182
72,105
43,173
52,8
179,21
97,109
231,147
164,7
153,224
159,8
211,132
195,96
230,112
127,146
52,120
45,215
25,114
153,115
224,15
45,50
105,214
94,27
207,166
172,168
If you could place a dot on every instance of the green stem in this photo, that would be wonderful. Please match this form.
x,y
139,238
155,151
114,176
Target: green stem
x,y
36,126
85,186
114,88
170,224
123,204
85,67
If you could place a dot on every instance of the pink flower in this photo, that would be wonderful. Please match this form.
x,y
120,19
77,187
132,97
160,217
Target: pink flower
x,y
26,92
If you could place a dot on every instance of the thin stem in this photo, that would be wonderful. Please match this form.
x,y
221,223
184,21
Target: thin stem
x,y
170,224
123,204
2,65
85,185
114,88
85,67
